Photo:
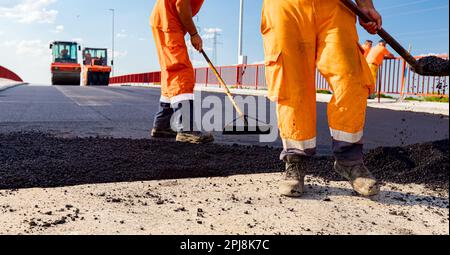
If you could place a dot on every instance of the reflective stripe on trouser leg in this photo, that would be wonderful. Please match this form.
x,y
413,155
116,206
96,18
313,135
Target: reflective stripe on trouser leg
x,y
300,148
165,100
181,98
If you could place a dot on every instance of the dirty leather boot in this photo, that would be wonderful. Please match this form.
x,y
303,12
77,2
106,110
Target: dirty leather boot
x,y
162,126
361,179
187,130
194,137
293,183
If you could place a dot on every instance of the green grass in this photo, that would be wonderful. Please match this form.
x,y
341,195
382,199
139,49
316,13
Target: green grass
x,y
440,99
386,96
414,99
436,99
327,92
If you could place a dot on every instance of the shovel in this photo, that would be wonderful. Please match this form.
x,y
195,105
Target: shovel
x,y
427,66
233,128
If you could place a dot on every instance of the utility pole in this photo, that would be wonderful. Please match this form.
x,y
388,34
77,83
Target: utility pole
x,y
113,38
216,34
241,58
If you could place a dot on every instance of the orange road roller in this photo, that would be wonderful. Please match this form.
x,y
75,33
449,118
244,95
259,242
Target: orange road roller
x,y
96,71
65,68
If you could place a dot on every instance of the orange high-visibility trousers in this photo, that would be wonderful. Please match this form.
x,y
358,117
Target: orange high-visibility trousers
x,y
300,35
374,70
177,72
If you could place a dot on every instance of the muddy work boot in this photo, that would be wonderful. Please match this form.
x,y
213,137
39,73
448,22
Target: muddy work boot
x,y
163,133
186,126
361,179
194,137
162,125
293,183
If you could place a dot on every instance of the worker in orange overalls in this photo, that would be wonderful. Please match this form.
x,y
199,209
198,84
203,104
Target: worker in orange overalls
x,y
300,35
367,46
375,59
171,20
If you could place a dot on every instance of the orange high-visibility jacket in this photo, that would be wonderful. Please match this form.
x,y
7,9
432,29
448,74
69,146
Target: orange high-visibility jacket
x,y
366,49
165,16
377,54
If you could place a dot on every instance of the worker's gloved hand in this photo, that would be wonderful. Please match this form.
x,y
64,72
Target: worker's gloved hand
x,y
371,27
197,42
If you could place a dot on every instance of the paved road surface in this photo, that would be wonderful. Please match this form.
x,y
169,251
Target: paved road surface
x,y
128,112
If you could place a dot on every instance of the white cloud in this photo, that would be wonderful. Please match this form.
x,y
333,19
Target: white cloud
x,y
7,44
30,48
59,29
433,54
258,62
2,33
210,32
78,40
30,11
118,54
122,34
199,63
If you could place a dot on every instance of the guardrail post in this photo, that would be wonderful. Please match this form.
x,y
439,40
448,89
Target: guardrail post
x,y
257,78
207,77
402,92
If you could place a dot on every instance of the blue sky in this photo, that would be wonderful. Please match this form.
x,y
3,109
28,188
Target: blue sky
x,y
27,26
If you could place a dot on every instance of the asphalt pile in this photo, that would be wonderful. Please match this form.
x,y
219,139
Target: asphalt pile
x,y
29,160
435,65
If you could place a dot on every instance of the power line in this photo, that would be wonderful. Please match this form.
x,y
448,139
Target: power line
x,y
216,34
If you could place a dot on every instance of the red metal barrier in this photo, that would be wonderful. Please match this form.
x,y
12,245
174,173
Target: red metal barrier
x,y
8,74
393,78
142,78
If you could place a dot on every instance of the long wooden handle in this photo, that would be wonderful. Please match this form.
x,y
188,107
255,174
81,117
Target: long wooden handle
x,y
382,33
222,82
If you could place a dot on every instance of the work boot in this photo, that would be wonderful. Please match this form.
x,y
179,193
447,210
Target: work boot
x,y
162,125
163,133
194,137
186,126
293,183
361,179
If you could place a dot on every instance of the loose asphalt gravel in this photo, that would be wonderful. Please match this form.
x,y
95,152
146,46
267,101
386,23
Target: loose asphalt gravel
x,y
435,65
38,160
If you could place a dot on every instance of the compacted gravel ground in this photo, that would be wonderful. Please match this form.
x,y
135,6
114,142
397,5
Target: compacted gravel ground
x,y
52,185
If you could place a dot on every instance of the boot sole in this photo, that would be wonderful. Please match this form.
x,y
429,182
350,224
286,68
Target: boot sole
x,y
166,135
373,192
291,189
194,140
